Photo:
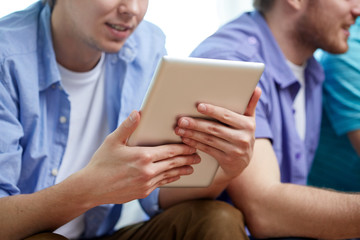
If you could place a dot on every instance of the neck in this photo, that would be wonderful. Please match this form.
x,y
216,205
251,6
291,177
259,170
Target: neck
x,y
71,51
286,35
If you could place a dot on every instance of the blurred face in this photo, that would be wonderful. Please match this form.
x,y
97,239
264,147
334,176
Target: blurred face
x,y
103,25
325,24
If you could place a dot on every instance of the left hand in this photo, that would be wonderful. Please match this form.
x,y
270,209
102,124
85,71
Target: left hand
x,y
230,141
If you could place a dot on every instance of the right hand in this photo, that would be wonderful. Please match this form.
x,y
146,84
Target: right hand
x,y
118,173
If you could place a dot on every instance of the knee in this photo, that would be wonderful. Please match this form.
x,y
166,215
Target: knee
x,y
221,213
204,219
212,211
46,236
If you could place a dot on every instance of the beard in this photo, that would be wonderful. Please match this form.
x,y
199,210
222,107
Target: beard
x,y
316,29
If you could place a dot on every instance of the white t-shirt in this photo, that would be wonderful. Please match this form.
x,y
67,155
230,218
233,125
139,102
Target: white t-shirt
x,y
299,102
87,130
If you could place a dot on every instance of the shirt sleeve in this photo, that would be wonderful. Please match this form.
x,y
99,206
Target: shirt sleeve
x,y
10,135
263,129
150,204
342,89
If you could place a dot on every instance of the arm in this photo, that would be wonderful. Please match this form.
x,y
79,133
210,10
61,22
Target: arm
x,y
116,174
274,209
229,142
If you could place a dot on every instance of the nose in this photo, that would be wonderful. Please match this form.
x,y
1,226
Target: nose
x,y
355,8
129,8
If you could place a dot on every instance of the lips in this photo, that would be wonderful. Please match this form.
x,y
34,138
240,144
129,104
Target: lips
x,y
118,27
346,30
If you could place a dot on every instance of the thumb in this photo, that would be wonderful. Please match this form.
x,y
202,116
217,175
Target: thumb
x,y
127,127
250,110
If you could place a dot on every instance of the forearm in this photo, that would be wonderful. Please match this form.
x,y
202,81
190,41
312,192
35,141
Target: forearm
x,y
284,210
275,209
26,214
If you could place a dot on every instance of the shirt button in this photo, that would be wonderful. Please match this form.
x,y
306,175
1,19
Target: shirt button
x,y
298,156
54,172
63,119
252,40
128,51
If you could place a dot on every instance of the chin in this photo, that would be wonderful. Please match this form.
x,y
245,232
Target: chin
x,y
337,48
112,48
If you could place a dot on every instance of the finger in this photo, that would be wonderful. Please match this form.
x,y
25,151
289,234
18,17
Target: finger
x,y
165,152
226,158
215,152
243,125
172,175
221,114
250,110
222,138
127,127
210,128
176,162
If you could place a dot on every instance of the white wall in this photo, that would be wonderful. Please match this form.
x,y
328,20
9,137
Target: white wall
x,y
185,22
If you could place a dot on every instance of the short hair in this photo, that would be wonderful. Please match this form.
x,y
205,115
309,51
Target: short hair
x,y
50,2
263,6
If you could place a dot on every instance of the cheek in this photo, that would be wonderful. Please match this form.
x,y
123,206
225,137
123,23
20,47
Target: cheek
x,y
334,40
141,14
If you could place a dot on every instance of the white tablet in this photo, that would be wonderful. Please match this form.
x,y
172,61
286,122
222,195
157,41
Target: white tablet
x,y
178,85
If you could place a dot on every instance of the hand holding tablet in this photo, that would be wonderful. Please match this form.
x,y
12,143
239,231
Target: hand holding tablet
x,y
179,84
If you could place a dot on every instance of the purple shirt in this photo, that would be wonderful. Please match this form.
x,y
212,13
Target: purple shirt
x,y
248,38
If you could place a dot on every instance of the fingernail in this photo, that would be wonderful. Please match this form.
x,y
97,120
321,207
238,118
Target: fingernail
x,y
181,131
197,159
184,123
132,116
202,107
190,170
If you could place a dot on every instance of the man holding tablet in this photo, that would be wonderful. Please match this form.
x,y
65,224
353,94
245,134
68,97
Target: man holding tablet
x,y
71,73
284,34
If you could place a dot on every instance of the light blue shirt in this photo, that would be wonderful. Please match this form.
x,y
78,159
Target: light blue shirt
x,y
248,38
336,163
33,104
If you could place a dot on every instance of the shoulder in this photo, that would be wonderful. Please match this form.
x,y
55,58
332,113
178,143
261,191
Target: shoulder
x,y
239,39
19,31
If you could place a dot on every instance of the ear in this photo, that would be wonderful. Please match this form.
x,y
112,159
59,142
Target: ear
x,y
296,4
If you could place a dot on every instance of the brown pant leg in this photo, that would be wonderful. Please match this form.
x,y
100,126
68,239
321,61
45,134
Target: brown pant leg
x,y
46,236
199,219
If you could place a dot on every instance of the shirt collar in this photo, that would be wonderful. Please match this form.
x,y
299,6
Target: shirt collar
x,y
46,56
275,59
129,51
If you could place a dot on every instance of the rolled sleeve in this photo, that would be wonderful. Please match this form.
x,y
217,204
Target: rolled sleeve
x,y
263,128
150,204
10,150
